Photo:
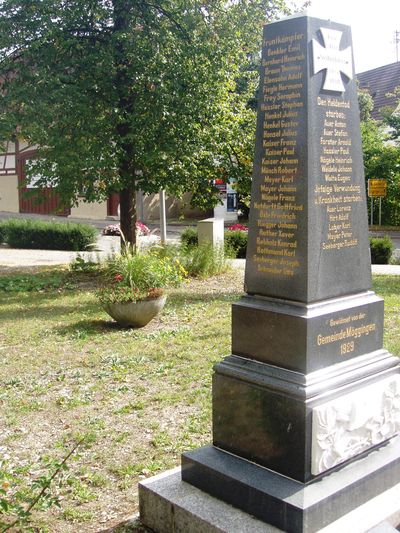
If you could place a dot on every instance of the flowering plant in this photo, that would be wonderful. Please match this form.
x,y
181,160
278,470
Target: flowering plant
x,y
236,227
132,276
142,229
115,229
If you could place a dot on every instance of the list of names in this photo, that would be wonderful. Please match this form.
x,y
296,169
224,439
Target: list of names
x,y
279,205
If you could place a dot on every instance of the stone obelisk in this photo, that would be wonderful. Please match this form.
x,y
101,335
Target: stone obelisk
x,y
307,407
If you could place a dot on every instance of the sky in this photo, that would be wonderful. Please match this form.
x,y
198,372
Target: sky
x,y
373,23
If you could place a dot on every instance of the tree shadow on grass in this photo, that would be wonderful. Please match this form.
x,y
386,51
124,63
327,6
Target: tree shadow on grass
x,y
167,322
95,327
180,299
33,309
100,327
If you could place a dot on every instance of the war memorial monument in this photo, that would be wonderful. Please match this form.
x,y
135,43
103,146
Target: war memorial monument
x,y
307,407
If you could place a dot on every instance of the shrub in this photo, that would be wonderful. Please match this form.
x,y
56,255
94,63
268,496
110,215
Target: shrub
x,y
3,232
38,234
189,237
381,250
236,242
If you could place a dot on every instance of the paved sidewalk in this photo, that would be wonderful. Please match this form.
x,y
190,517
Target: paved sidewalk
x,y
12,258
388,270
16,257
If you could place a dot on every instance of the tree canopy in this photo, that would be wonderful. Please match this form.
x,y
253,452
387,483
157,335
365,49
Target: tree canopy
x,y
121,95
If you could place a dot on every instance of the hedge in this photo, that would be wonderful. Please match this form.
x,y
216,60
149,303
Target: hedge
x,y
38,234
381,250
189,237
236,243
3,232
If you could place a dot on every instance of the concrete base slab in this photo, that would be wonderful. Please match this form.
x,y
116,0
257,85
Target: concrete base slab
x,y
169,505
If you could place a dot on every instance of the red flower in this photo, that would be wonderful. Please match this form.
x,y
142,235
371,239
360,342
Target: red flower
x,y
118,277
236,227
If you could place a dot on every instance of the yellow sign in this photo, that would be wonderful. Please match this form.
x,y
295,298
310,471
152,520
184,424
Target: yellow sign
x,y
377,188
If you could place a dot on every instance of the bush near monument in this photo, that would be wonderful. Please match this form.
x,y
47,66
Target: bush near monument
x,y
235,238
381,250
189,237
38,234
203,261
198,261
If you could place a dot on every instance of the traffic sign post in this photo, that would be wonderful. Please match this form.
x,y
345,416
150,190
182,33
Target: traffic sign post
x,y
377,188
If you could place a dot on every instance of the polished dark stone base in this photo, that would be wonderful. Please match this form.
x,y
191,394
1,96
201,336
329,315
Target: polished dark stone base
x,y
283,502
293,335
264,413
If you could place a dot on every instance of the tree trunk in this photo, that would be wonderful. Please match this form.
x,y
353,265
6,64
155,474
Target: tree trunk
x,y
127,207
124,130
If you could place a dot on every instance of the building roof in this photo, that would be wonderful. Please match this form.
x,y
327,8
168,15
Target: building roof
x,y
379,82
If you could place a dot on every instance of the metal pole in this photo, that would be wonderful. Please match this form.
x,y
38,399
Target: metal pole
x,y
380,211
163,218
140,206
372,211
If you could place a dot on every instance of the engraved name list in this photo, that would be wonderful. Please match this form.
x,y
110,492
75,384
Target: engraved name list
x,y
336,191
279,202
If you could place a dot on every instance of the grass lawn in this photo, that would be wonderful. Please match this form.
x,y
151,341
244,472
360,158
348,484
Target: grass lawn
x,y
138,397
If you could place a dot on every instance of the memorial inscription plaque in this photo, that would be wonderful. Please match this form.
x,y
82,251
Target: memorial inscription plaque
x,y
307,337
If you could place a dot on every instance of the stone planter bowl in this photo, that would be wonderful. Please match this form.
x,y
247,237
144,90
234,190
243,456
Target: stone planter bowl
x,y
135,314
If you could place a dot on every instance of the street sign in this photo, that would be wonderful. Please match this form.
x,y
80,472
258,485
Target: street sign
x,y
377,188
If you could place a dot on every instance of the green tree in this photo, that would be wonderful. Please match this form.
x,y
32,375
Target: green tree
x,y
366,104
381,158
391,116
122,95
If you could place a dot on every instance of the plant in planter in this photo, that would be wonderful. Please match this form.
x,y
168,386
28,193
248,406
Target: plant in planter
x,y
134,283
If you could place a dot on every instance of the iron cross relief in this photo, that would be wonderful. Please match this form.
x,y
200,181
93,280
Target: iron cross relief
x,y
332,59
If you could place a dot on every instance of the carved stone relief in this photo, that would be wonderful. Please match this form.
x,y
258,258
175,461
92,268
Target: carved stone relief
x,y
354,422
